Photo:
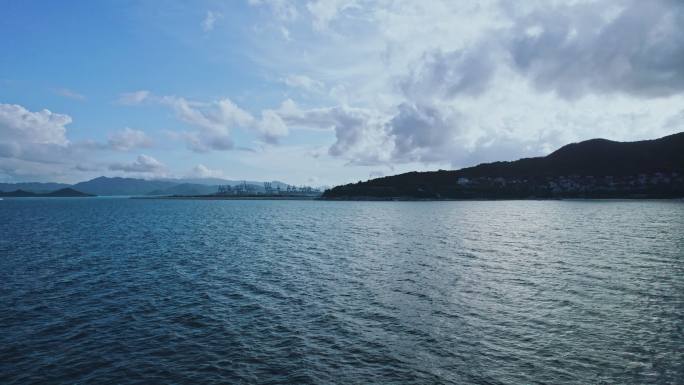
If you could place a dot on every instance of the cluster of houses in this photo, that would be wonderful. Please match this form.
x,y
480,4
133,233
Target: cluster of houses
x,y
578,184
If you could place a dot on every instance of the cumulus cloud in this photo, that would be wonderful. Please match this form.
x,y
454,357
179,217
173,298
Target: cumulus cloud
x,y
210,20
31,141
143,164
414,133
127,139
359,137
572,50
213,122
19,125
360,134
34,144
425,133
438,82
576,49
324,118
202,171
364,136
216,116
460,83
451,74
271,126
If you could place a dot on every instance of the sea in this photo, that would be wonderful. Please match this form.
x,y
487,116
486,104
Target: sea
x,y
141,291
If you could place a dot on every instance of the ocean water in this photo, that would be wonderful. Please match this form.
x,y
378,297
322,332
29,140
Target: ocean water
x,y
305,292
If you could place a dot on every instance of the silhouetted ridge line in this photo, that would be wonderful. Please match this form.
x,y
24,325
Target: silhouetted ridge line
x,y
596,168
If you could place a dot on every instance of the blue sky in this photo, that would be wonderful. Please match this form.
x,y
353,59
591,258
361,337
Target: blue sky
x,y
324,92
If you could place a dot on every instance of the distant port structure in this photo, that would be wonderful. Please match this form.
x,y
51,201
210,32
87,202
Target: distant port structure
x,y
250,190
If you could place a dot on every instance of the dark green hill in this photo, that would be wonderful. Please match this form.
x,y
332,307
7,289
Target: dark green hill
x,y
593,168
66,192
17,193
597,157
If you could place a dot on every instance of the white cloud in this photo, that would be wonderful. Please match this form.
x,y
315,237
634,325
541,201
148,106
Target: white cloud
x,y
577,50
213,122
34,144
143,164
17,124
425,133
133,98
210,20
399,83
35,137
127,139
325,11
361,134
216,116
67,93
464,82
202,171
446,75
271,126
304,82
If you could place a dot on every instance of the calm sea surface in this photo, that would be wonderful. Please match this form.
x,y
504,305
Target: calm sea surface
x,y
271,292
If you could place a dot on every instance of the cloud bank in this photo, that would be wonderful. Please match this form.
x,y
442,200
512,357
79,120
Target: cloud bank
x,y
457,84
379,86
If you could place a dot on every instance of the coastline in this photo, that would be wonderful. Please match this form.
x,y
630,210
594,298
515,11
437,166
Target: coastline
x,y
407,199
484,199
228,198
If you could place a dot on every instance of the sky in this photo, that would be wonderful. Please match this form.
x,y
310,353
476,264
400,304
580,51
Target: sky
x,y
324,92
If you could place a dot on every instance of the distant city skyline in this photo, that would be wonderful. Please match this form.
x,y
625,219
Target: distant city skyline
x,y
326,92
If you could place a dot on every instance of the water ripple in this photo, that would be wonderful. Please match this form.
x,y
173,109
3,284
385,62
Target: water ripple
x,y
256,292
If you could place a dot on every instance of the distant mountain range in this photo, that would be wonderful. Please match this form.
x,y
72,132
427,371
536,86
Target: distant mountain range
x,y
35,187
596,168
132,186
60,193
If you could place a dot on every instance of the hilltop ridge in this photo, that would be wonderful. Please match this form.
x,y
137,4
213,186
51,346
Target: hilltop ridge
x,y
593,168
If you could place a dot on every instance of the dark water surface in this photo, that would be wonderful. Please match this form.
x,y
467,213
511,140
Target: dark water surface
x,y
273,292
